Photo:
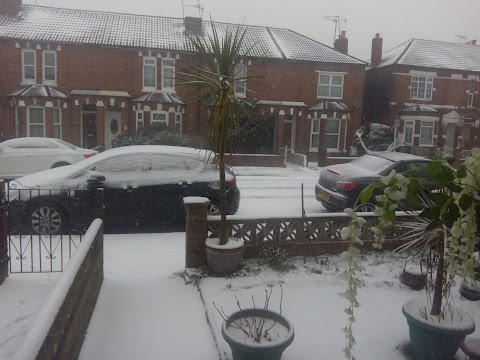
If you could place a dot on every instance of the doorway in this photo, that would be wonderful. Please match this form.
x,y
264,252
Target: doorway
x,y
112,127
89,129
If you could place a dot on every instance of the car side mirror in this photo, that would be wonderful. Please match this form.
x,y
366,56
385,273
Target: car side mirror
x,y
95,181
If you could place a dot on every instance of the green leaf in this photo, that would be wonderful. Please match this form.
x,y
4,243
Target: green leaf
x,y
451,215
434,168
465,202
435,224
462,172
367,193
439,199
454,188
432,213
390,215
414,201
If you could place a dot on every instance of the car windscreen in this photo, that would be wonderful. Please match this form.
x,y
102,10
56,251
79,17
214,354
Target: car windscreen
x,y
372,163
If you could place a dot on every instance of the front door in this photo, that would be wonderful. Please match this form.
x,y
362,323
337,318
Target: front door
x,y
89,130
112,127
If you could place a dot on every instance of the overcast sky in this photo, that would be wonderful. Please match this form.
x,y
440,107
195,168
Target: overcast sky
x,y
397,21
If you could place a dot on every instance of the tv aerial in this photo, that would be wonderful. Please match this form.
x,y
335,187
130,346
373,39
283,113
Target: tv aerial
x,y
461,38
196,6
338,21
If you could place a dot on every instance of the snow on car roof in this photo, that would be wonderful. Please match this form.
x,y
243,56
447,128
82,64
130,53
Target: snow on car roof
x,y
398,156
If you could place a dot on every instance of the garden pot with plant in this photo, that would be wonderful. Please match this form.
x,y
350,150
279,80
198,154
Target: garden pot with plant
x,y
447,227
257,333
215,79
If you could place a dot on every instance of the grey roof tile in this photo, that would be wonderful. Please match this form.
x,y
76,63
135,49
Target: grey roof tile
x,y
434,54
37,23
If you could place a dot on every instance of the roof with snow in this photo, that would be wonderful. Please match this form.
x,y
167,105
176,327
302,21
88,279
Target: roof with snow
x,y
38,23
329,105
434,54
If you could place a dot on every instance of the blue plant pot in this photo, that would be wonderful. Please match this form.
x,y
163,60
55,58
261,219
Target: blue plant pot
x,y
267,351
434,341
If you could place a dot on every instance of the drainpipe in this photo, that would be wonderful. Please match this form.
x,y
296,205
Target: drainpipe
x,y
345,136
16,121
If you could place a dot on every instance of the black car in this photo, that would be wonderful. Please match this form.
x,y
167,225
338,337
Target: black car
x,y
339,186
144,187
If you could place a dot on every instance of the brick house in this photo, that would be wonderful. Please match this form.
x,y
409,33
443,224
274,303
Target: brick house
x,y
430,89
87,76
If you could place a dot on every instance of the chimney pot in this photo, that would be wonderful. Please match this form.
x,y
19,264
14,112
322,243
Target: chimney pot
x,y
10,8
193,25
343,34
377,45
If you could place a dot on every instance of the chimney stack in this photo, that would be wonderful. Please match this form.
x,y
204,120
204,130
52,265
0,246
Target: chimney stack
x,y
377,44
10,8
341,44
193,25
471,42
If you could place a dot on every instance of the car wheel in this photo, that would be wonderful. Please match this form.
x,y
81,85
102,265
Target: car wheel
x,y
59,164
367,207
46,219
213,209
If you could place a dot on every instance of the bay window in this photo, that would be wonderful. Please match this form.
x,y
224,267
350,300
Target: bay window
x,y
332,134
36,121
426,133
315,134
179,122
57,123
140,124
409,130
159,117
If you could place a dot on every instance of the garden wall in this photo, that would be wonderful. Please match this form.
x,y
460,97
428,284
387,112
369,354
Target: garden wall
x,y
293,157
316,234
59,329
255,160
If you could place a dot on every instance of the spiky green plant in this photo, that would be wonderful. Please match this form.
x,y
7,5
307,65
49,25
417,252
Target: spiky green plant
x,y
215,80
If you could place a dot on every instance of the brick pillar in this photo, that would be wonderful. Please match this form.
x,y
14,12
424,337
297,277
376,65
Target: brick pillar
x,y
3,234
279,130
322,142
196,231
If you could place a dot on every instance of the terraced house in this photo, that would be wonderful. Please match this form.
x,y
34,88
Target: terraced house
x,y
430,89
87,76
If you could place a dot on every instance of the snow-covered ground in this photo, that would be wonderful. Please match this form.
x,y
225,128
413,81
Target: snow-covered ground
x,y
146,311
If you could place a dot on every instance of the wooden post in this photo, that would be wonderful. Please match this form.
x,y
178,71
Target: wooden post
x,y
3,233
100,203
196,231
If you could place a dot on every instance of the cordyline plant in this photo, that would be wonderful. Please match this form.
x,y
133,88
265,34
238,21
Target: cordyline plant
x,y
446,223
215,80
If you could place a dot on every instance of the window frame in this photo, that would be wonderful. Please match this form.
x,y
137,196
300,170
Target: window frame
x,y
154,65
330,85
422,127
59,123
164,67
313,133
24,79
179,122
415,78
44,66
240,83
409,124
29,124
139,119
153,112
470,93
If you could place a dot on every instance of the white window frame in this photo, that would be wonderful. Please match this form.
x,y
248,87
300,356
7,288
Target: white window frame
x,y
165,67
25,80
428,85
179,121
139,118
424,126
154,65
240,83
330,85
44,66
57,124
152,121
35,124
337,134
314,133
470,93
409,124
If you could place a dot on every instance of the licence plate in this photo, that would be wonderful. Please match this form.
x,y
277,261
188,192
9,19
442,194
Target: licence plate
x,y
324,195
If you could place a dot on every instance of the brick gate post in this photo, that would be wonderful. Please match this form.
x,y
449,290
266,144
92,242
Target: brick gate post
x,y
3,233
196,231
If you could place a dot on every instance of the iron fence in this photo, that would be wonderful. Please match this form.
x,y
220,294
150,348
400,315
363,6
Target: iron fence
x,y
45,226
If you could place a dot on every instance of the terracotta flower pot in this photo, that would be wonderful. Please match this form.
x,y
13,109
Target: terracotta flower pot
x,y
224,259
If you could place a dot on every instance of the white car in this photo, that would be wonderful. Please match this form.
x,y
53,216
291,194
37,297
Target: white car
x,y
28,155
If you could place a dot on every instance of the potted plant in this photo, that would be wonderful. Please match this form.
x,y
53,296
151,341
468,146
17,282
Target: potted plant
x,y
215,80
447,225
257,333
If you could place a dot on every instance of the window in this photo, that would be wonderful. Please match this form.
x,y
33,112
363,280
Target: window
x,y
28,66
408,131
421,87
122,164
168,73
149,72
140,123
50,67
426,133
179,122
330,86
241,84
159,117
471,92
314,138
332,135
36,121
29,143
57,123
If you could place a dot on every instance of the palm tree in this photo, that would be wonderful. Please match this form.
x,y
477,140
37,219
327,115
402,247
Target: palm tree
x,y
215,80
